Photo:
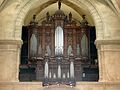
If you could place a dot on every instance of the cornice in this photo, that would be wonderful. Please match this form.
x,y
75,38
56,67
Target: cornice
x,y
106,42
11,42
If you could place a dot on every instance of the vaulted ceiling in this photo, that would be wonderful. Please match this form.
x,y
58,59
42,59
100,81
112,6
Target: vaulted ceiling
x,y
67,7
41,14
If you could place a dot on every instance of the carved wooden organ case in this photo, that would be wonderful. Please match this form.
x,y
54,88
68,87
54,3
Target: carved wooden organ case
x,y
58,37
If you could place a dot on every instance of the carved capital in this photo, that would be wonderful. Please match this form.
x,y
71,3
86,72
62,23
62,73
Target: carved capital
x,y
12,42
99,43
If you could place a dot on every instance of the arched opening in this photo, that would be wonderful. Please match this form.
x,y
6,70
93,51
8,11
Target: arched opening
x,y
72,43
99,30
107,35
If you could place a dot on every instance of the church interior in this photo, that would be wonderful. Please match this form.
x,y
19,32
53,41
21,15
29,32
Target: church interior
x,y
59,44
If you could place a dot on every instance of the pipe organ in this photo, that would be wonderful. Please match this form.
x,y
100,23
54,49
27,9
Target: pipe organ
x,y
58,48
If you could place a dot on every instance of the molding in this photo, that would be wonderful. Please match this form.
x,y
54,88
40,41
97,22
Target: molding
x,y
11,42
107,42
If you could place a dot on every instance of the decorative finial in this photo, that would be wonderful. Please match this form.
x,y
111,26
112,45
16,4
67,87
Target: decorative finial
x,y
83,16
59,4
70,16
33,22
34,17
47,16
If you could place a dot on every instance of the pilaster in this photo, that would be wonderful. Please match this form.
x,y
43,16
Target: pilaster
x,y
109,60
9,60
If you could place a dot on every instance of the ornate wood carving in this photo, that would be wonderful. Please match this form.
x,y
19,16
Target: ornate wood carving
x,y
45,34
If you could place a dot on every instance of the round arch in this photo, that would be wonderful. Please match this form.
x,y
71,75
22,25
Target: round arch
x,y
28,5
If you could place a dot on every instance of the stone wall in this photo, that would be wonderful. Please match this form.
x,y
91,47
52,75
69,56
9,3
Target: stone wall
x,y
79,86
9,60
107,25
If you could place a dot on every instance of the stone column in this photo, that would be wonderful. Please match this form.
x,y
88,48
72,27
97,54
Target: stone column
x,y
109,60
9,60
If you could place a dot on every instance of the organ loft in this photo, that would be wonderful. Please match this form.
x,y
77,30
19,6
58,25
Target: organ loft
x,y
59,50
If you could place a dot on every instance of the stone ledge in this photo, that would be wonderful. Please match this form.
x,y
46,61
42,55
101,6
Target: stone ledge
x,y
79,86
21,83
11,42
106,42
77,83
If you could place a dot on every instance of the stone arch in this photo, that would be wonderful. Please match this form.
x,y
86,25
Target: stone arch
x,y
27,6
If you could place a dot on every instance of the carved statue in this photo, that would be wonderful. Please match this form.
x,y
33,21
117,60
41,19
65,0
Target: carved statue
x,y
69,51
33,22
47,16
66,19
70,16
48,51
84,21
34,17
